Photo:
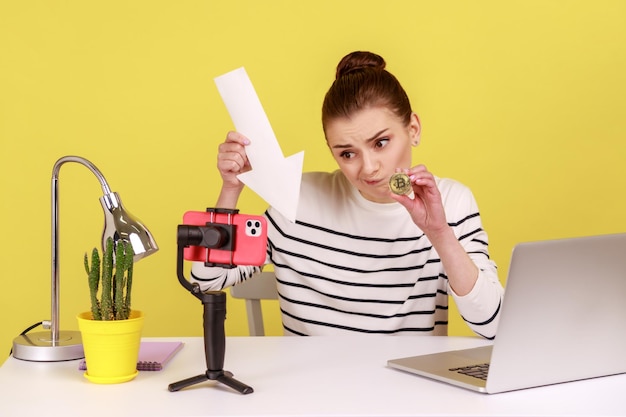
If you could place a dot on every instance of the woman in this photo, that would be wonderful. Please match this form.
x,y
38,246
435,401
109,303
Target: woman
x,y
359,258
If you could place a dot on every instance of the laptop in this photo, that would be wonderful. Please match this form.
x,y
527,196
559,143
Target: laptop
x,y
563,319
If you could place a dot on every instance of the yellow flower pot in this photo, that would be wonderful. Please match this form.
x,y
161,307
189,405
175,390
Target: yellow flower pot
x,y
111,347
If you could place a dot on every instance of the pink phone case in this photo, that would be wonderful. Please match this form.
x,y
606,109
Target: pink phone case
x,y
250,246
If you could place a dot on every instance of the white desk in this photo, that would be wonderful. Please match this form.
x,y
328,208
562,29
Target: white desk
x,y
294,376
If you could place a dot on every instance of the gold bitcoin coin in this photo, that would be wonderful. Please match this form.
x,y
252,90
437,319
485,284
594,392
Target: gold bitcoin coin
x,y
400,183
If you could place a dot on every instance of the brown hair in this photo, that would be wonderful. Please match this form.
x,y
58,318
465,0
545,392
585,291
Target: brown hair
x,y
361,81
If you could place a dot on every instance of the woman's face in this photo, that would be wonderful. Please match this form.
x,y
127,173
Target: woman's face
x,y
369,146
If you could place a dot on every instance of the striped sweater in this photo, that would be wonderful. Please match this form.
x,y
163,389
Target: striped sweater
x,y
349,265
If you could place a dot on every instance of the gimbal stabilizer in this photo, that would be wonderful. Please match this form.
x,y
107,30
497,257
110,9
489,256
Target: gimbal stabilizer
x,y
214,236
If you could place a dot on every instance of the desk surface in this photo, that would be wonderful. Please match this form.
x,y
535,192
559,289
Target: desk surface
x,y
293,376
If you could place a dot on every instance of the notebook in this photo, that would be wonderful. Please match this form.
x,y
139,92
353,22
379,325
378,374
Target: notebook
x,y
563,319
153,356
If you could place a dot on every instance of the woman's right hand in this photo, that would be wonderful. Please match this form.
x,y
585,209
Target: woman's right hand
x,y
232,160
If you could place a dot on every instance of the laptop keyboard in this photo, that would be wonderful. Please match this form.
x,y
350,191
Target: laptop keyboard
x,y
479,371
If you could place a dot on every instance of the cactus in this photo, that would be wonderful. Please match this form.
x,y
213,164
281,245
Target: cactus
x,y
106,302
114,287
129,278
93,275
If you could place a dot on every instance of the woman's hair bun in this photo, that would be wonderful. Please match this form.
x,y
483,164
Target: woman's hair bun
x,y
359,60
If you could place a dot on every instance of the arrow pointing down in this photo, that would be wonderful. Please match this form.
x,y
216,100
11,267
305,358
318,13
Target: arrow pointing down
x,y
273,177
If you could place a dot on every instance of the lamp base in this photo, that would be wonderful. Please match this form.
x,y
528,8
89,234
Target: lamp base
x,y
38,347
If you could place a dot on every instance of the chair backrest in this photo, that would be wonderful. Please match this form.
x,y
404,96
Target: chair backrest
x,y
253,290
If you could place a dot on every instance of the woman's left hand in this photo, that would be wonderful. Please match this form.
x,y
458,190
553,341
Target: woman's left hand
x,y
426,208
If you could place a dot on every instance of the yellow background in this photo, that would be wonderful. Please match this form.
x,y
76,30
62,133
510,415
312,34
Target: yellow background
x,y
523,101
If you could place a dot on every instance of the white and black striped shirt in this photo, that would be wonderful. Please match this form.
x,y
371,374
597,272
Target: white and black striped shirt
x,y
351,265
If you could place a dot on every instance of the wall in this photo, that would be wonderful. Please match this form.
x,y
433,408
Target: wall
x,y
522,100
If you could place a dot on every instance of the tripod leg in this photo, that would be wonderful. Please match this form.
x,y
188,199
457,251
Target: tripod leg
x,y
177,386
234,384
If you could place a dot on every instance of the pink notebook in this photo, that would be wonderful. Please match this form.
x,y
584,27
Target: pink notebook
x,y
153,356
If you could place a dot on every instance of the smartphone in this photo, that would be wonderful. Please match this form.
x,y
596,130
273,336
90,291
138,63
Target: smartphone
x,y
248,242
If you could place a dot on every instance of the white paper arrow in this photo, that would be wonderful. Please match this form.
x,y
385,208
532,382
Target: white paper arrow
x,y
273,177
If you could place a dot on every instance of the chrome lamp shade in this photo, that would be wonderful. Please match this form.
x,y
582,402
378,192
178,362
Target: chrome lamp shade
x,y
120,225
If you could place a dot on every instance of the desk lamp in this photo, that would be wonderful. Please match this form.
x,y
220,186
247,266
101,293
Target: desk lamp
x,y
57,345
